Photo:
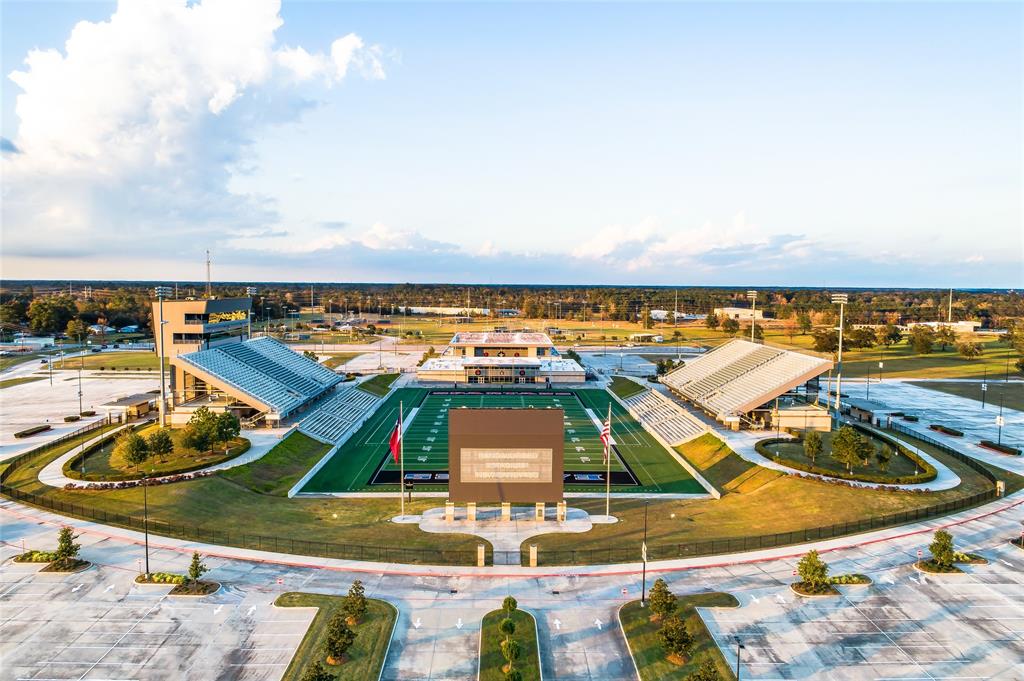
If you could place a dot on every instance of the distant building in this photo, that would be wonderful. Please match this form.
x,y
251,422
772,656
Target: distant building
x,y
739,313
439,310
132,328
966,326
101,329
646,338
501,358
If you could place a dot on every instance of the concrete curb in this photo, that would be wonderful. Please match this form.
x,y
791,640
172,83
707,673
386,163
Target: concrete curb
x,y
622,630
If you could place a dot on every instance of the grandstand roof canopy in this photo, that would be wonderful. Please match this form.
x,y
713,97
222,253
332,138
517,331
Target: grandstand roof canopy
x,y
272,376
476,339
740,376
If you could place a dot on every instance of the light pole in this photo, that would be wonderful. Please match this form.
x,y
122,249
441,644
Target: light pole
x,y
161,293
145,517
81,364
752,297
1002,397
841,299
251,292
643,555
739,647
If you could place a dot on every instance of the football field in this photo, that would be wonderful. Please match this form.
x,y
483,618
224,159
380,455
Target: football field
x,y
363,463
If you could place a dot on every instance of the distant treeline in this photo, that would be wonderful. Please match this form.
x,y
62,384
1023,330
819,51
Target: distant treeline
x,y
126,303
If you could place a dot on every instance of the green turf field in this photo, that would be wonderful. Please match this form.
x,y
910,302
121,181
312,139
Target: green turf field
x,y
639,463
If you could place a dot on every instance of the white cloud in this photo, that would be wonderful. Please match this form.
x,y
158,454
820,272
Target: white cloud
x,y
138,124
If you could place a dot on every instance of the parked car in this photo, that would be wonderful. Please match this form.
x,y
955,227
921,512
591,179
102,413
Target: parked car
x,y
43,361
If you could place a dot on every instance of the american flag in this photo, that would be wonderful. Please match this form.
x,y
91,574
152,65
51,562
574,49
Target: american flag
x,y
606,438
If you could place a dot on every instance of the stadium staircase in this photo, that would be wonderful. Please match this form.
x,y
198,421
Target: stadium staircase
x,y
336,414
659,414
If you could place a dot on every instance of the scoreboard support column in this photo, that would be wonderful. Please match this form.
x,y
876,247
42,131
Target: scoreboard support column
x,y
538,511
506,511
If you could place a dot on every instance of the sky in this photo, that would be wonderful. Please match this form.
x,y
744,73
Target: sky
x,y
757,143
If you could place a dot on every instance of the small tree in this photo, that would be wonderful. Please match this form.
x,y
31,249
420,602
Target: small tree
x,y
67,549
513,675
730,326
922,338
883,456
511,651
160,443
942,549
309,354
676,638
712,321
338,640
226,428
316,672
969,350
197,568
507,627
354,605
812,445
707,671
131,447
663,601
813,570
945,336
846,447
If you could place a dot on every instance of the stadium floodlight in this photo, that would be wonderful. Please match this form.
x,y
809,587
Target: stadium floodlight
x,y
840,299
162,292
250,290
752,297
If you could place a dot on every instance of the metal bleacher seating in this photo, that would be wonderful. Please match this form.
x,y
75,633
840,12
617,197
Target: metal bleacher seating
x,y
740,375
268,371
661,415
337,414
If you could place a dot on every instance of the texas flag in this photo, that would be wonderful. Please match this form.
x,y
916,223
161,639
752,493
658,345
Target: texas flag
x,y
395,443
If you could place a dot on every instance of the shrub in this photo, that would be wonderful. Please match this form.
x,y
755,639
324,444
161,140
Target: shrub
x,y
67,549
89,412
941,549
910,417
509,605
510,650
813,570
1005,449
946,429
507,627
71,419
316,672
707,671
31,431
196,568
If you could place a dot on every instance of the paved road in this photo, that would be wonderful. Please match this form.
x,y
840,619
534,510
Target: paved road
x,y
972,627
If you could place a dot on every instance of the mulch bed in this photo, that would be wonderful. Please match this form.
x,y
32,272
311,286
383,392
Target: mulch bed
x,y
803,589
195,589
931,567
67,566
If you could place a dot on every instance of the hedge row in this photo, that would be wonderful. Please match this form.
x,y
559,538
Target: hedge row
x,y
946,429
1005,449
31,431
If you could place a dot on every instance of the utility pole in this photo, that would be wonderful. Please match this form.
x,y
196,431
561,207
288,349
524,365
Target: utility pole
x,y
209,283
251,292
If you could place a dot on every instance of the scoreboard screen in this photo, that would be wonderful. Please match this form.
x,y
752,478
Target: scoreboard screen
x,y
513,455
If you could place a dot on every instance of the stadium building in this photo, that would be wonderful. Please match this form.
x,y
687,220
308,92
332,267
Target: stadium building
x,y
215,364
501,358
744,383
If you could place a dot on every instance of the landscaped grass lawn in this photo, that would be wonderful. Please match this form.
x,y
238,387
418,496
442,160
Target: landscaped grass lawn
x,y
276,471
775,504
336,359
491,660
378,385
366,656
646,647
1014,392
11,382
623,387
104,464
899,465
119,361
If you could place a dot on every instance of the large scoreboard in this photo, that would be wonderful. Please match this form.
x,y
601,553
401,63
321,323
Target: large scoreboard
x,y
498,455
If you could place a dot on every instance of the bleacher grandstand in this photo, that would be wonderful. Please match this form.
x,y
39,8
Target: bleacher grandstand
x,y
664,417
739,377
258,376
339,412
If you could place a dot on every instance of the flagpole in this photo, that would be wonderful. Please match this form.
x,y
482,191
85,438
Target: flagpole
x,y
401,459
608,468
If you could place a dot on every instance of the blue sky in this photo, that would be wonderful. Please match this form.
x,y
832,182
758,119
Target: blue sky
x,y
810,144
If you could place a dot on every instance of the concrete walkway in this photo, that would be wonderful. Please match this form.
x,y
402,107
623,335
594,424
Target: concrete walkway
x,y
261,441
743,443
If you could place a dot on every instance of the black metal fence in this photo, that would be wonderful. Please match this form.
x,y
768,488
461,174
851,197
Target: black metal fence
x,y
399,554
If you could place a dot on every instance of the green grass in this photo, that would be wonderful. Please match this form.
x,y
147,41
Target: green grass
x,y
1014,392
102,463
118,361
11,382
280,468
378,385
623,387
646,647
357,459
366,656
336,359
763,502
491,660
